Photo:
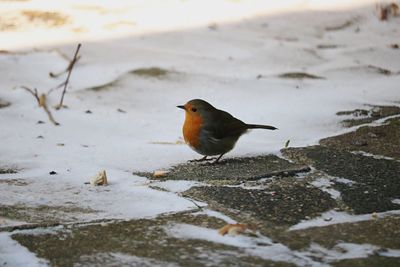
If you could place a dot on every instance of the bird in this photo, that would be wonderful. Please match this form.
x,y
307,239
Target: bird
x,y
212,132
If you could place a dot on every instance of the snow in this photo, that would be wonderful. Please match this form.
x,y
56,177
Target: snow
x,y
176,186
396,201
216,214
9,222
325,185
335,217
263,247
365,154
326,182
260,246
250,38
123,198
13,254
343,251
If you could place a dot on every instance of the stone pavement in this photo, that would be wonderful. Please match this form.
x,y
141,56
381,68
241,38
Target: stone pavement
x,y
356,174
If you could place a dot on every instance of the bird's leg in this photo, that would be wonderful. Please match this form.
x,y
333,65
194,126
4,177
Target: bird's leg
x,y
217,160
200,160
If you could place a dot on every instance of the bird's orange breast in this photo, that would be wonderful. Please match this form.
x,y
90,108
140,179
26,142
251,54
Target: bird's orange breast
x,y
191,129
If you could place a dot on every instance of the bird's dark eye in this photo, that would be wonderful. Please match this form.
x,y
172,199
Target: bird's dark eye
x,y
194,109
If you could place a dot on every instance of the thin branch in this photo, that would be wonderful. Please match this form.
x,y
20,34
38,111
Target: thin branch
x,y
41,102
44,105
55,88
33,92
70,67
55,75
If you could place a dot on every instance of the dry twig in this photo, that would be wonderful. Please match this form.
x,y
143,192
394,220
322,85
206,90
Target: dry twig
x,y
55,75
33,92
41,102
44,106
70,67
41,99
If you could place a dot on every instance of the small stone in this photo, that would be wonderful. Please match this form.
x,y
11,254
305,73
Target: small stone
x,y
88,111
99,179
4,103
53,173
213,26
40,122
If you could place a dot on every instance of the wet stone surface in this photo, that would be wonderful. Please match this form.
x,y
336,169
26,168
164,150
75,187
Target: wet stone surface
x,y
376,180
367,115
284,202
382,140
379,232
43,213
140,242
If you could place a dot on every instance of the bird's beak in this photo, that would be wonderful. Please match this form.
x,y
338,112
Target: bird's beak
x,y
182,107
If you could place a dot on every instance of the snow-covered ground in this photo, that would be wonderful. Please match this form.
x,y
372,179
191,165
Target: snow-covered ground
x,y
229,53
219,63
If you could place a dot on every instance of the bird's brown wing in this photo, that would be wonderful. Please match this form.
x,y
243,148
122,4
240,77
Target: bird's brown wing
x,y
225,126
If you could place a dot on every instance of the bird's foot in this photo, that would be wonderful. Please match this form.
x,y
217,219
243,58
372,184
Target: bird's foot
x,y
201,160
210,161
217,160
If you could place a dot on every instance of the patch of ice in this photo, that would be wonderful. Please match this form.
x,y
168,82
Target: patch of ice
x,y
325,184
59,230
395,253
396,201
123,198
177,186
263,247
365,154
216,214
335,217
343,180
13,254
9,222
345,251
260,246
375,123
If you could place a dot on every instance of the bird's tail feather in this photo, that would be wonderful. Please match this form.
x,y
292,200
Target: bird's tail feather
x,y
258,126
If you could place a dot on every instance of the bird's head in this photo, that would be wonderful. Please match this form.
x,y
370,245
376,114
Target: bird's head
x,y
197,108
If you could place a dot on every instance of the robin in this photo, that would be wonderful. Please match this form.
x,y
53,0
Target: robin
x,y
210,131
